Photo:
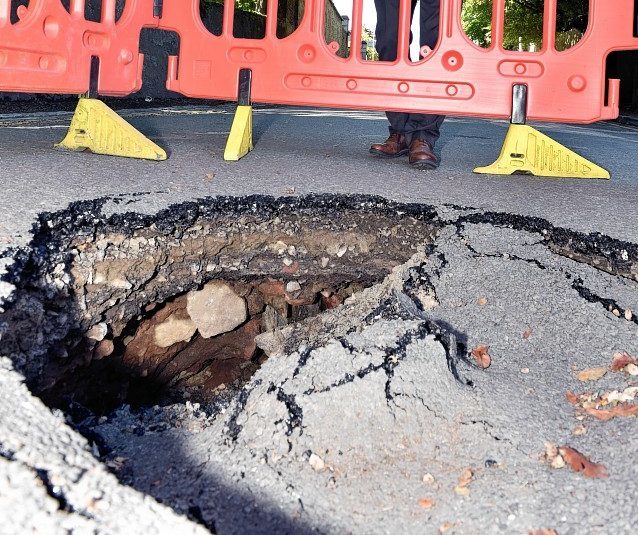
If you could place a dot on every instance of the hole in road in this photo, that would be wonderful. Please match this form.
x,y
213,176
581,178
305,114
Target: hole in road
x,y
151,310
195,346
146,310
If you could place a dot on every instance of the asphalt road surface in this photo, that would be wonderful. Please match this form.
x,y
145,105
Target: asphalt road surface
x,y
471,390
300,151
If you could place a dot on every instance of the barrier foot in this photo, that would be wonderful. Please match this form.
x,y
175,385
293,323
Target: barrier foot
x,y
240,139
97,128
528,151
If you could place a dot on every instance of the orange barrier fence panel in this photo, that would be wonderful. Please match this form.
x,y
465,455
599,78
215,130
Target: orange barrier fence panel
x,y
50,50
457,77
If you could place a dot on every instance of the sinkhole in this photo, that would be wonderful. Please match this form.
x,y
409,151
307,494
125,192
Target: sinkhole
x,y
171,314
154,309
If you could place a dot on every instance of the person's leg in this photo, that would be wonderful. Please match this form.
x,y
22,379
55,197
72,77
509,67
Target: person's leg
x,y
426,126
387,30
423,126
387,35
423,129
429,22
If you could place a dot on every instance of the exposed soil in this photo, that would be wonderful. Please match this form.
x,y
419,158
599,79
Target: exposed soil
x,y
310,350
97,289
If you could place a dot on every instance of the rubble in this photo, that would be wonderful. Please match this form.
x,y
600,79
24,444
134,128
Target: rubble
x,y
345,382
216,309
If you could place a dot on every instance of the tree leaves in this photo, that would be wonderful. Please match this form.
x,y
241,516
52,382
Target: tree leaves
x,y
621,360
607,405
426,503
618,410
561,456
464,482
524,18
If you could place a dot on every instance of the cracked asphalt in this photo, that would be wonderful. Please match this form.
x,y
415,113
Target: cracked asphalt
x,y
381,409
300,151
365,417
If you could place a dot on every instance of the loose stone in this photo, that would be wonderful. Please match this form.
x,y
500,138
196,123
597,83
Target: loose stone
x,y
216,309
97,332
316,463
174,330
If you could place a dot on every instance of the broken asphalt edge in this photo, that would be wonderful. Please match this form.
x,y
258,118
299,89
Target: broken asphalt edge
x,y
86,218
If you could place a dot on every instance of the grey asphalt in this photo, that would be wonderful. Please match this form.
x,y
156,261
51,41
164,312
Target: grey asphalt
x,y
309,150
377,433
361,427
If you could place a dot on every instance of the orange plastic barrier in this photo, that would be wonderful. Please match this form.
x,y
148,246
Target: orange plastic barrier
x,y
50,49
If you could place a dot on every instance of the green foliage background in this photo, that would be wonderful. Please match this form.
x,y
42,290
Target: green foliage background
x,y
524,18
254,6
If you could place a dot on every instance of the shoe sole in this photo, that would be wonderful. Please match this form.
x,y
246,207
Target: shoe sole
x,y
387,156
424,165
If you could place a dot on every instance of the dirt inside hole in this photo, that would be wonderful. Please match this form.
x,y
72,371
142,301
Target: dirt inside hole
x,y
193,347
91,288
147,310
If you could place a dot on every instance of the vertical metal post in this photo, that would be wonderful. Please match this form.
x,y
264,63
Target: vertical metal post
x,y
245,87
519,104
94,77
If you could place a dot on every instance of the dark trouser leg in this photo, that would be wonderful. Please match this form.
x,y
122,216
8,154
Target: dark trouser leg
x,y
424,125
387,32
414,125
387,35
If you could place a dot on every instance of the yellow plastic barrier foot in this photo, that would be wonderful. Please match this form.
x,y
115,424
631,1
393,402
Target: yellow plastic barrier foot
x,y
240,139
97,128
526,150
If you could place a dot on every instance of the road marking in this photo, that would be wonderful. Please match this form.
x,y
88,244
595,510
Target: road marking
x,y
33,127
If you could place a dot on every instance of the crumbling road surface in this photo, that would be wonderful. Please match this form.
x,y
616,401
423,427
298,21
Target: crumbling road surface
x,y
480,378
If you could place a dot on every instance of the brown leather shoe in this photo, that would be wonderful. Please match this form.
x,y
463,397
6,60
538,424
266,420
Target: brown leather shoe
x,y
422,155
392,147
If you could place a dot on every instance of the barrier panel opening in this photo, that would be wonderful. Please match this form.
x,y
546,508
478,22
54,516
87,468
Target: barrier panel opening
x,y
341,33
248,17
18,10
367,48
476,20
523,27
289,16
391,31
157,46
524,22
211,14
93,9
249,20
572,20
623,66
425,29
